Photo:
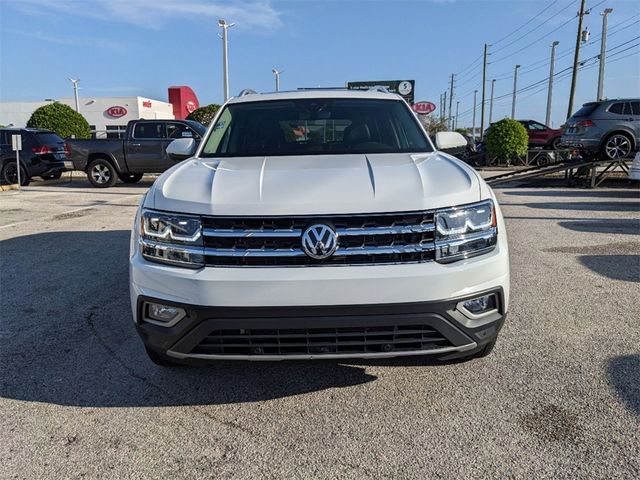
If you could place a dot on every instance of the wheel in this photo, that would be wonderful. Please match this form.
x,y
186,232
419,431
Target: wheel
x,y
161,359
555,143
131,178
101,173
10,174
53,176
617,146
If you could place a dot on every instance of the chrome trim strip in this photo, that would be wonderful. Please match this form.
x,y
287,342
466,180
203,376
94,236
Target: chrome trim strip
x,y
236,233
385,250
328,356
427,227
296,232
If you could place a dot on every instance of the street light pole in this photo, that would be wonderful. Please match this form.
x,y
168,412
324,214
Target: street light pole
x,y
277,73
550,90
493,84
451,100
444,110
515,85
473,123
484,85
225,61
603,47
75,91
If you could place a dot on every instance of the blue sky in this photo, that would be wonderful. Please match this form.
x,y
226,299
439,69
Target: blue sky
x,y
140,47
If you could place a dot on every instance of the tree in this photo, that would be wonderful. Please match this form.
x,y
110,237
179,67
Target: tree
x,y
463,131
507,139
432,124
61,119
204,115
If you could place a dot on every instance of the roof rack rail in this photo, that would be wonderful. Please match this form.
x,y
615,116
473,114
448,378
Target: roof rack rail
x,y
247,91
378,88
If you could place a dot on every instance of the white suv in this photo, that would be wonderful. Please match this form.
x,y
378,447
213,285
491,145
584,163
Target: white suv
x,y
317,224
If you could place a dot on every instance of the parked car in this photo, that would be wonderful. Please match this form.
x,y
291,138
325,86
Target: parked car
x,y
541,135
318,224
143,150
609,128
42,155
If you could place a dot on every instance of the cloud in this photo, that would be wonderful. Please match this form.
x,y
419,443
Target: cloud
x,y
95,42
154,14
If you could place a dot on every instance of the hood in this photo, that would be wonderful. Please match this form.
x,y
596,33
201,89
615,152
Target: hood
x,y
316,184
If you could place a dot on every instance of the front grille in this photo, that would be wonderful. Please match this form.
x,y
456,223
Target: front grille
x,y
362,239
321,341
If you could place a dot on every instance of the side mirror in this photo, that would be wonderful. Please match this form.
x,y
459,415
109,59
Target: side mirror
x,y
181,149
450,140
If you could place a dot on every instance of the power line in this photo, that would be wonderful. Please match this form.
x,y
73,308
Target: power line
x,y
526,23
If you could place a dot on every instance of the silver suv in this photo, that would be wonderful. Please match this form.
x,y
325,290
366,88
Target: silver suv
x,y
610,128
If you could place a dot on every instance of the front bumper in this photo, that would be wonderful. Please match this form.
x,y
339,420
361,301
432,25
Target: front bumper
x,y
323,332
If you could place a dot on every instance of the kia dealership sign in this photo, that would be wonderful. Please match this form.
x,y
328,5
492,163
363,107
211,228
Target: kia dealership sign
x,y
116,111
191,106
423,108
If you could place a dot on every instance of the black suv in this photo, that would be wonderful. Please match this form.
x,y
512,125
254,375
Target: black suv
x,y
42,155
609,128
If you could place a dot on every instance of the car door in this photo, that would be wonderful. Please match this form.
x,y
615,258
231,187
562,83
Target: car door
x,y
175,130
537,133
144,148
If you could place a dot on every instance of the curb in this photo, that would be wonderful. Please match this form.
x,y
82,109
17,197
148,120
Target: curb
x,y
6,188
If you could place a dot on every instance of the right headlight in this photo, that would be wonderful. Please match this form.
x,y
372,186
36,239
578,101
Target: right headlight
x,y
466,231
172,239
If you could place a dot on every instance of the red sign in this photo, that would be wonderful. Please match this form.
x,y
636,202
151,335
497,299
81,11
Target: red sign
x,y
116,111
423,108
191,106
146,103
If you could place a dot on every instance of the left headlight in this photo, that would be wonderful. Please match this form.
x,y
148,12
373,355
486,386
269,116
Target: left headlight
x,y
466,231
172,239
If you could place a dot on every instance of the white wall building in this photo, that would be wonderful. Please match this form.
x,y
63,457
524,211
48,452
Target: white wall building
x,y
107,116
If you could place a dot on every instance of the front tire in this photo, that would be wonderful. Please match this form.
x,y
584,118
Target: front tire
x,y
10,174
130,178
617,147
101,173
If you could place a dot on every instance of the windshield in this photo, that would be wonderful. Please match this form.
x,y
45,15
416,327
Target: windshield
x,y
586,110
315,127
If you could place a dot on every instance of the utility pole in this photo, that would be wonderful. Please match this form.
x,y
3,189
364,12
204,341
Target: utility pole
x,y
484,88
550,90
277,73
473,123
441,107
603,47
493,84
75,92
515,86
444,110
225,61
576,58
451,100
455,124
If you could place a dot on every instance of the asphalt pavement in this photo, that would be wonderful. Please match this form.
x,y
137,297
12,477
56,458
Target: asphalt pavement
x,y
558,398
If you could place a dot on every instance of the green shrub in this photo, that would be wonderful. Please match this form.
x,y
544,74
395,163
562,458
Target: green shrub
x,y
462,131
204,115
61,119
507,139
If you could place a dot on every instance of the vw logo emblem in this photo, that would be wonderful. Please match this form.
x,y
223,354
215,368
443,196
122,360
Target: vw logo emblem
x,y
319,241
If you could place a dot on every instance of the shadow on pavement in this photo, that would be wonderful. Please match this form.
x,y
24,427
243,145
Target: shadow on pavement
x,y
629,226
577,192
68,336
616,267
586,206
624,372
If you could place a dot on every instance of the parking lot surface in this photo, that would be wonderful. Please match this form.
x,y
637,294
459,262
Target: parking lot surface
x,y
558,398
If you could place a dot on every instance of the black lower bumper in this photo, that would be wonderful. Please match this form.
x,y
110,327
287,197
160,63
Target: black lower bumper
x,y
306,332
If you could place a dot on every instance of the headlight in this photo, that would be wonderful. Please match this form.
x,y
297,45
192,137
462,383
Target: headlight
x,y
467,231
172,239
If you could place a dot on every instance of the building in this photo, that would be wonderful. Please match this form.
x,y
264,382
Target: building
x,y
108,116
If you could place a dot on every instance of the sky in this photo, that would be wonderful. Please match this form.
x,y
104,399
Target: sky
x,y
140,47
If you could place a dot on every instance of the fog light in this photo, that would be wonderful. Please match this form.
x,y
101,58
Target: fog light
x,y
163,314
480,305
